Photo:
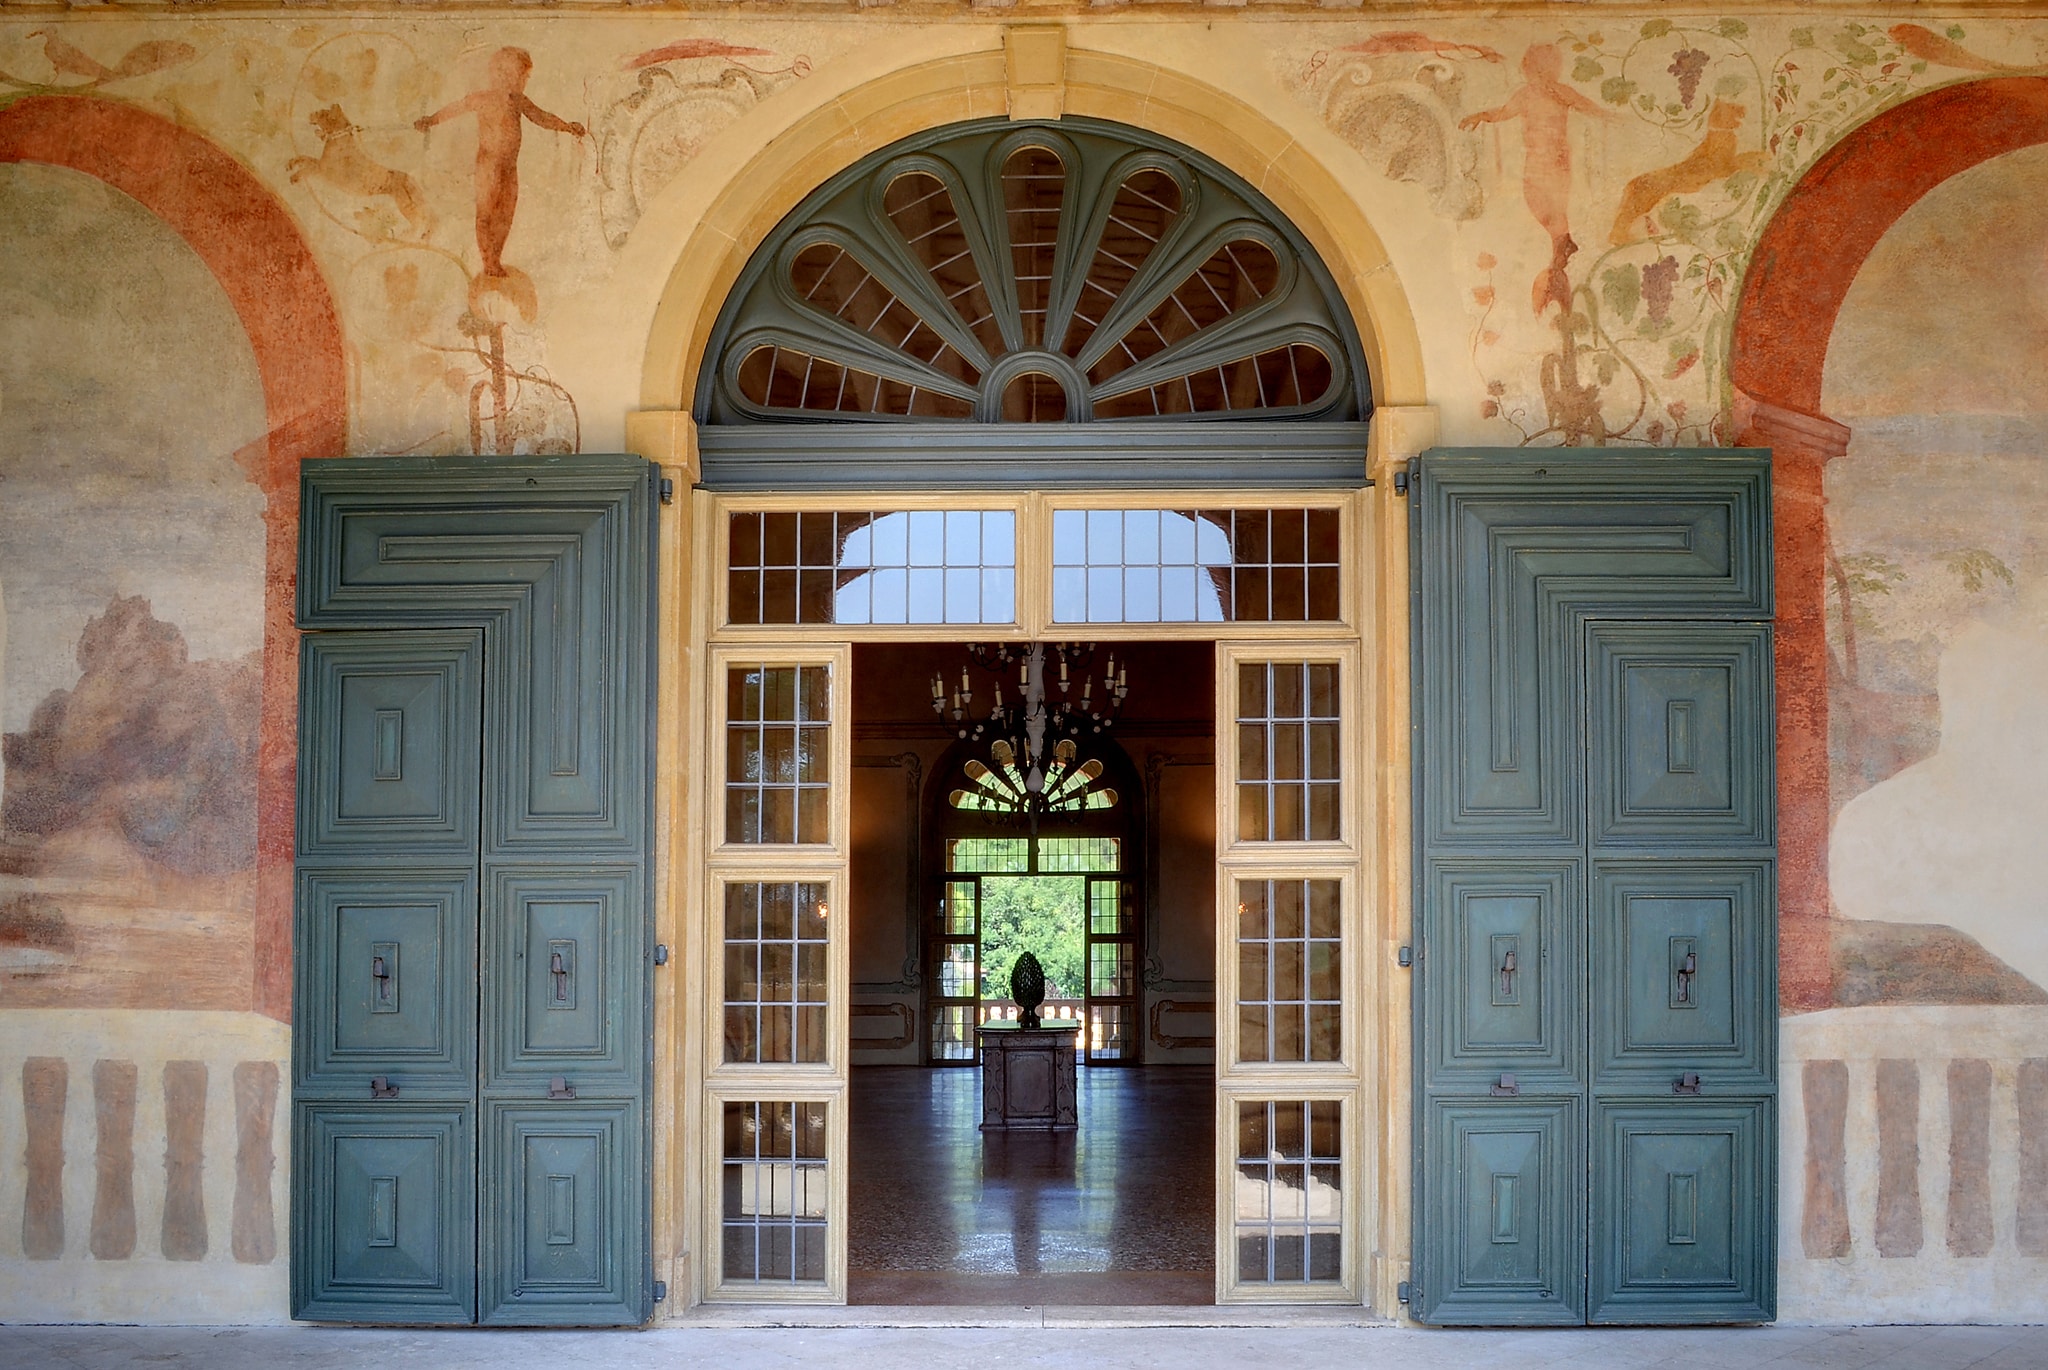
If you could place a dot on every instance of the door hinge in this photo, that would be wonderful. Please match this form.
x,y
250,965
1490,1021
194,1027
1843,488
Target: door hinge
x,y
1406,478
1405,1291
661,953
668,490
660,1290
1405,956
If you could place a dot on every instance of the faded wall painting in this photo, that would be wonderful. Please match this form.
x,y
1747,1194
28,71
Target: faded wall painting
x,y
1938,604
131,564
1603,186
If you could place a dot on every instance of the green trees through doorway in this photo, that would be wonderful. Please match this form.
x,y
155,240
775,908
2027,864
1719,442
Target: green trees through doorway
x,y
1041,914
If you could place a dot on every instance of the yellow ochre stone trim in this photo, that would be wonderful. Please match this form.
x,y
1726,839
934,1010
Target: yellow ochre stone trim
x,y
1036,63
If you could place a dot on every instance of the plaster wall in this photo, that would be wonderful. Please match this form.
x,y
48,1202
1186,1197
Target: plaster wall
x,y
1551,217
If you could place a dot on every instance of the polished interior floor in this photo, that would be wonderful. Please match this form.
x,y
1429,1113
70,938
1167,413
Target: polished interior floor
x,y
1120,1212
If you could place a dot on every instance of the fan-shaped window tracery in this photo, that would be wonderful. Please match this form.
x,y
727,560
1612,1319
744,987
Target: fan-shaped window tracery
x,y
1033,274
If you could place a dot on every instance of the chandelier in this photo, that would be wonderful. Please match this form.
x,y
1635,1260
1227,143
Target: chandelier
x,y
1035,765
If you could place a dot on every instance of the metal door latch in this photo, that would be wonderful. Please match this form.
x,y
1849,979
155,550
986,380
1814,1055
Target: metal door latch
x,y
1506,1087
1688,1083
1507,974
382,1088
560,1088
560,971
1689,968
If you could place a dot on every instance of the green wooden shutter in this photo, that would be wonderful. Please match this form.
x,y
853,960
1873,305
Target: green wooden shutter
x,y
1596,1011
472,1029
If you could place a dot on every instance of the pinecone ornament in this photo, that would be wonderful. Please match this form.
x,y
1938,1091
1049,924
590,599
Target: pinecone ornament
x,y
1027,987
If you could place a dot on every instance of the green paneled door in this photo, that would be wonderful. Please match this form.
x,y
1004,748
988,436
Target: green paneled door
x,y
1596,1008
471,1028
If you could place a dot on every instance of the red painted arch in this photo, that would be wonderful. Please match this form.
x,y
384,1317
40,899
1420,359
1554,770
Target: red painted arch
x,y
253,247
1800,274
1817,241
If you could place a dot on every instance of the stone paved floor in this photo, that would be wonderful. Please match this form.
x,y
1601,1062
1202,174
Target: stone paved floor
x,y
1026,1345
1121,1211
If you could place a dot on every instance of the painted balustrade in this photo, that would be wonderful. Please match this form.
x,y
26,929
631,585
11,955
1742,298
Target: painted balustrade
x,y
149,1142
1913,1171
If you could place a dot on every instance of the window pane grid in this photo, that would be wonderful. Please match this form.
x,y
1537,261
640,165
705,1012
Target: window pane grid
x,y
1110,1031
1289,985
873,567
1289,778
952,1032
1085,854
1196,566
773,1202
1289,1192
778,754
775,972
990,855
1105,909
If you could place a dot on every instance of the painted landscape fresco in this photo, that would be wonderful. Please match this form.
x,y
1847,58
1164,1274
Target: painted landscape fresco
x,y
131,554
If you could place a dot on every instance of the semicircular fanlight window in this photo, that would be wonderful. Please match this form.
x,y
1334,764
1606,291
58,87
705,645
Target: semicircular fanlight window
x,y
1146,205
1287,377
1070,786
1017,274
921,208
773,377
1236,276
833,281
1034,397
1034,190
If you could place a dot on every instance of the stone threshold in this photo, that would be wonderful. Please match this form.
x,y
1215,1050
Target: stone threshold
x,y
976,1315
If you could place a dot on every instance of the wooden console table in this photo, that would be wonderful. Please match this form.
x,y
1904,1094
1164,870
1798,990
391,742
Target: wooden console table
x,y
1027,1076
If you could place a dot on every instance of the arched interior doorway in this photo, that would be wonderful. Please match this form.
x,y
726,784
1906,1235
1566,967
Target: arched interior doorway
x,y
1036,384
1043,867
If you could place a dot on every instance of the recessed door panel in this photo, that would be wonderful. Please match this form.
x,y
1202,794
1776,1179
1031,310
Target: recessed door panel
x,y
390,1228
473,827
570,738
389,752
1677,738
567,995
1678,949
387,975
1594,771
565,1243
1506,944
1505,1214
1678,1230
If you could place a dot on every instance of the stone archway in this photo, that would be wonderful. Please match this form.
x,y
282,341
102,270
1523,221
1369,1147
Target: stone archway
x,y
254,249
1800,275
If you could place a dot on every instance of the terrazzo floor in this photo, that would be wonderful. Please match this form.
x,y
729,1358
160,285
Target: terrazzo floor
x,y
1121,1212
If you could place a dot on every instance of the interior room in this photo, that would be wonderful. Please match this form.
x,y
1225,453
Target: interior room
x,y
1107,880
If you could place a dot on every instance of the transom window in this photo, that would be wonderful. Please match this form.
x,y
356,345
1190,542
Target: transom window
x,y
1014,273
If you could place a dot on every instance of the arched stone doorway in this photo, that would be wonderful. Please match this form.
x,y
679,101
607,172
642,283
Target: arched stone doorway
x,y
1040,381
